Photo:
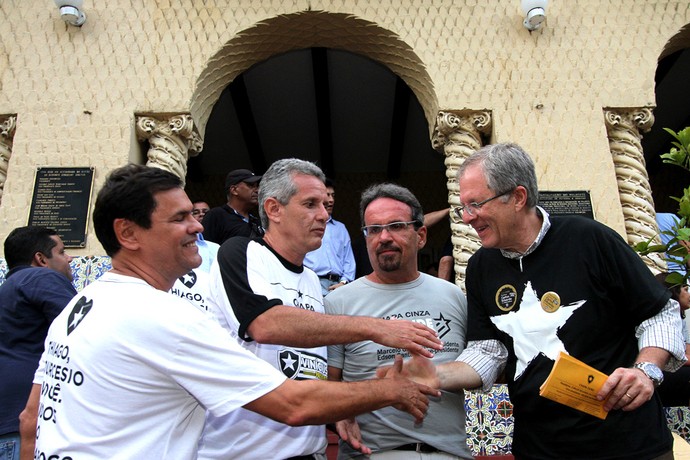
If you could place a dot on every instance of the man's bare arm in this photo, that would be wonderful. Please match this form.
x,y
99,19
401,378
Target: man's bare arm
x,y
434,217
457,376
315,402
302,328
445,268
27,424
454,376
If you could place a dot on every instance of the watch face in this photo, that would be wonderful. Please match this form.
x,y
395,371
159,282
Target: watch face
x,y
652,371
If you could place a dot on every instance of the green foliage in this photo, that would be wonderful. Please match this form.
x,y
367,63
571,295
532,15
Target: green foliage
x,y
677,247
679,152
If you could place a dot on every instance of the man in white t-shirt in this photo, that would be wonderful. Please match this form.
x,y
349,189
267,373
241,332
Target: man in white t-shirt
x,y
130,370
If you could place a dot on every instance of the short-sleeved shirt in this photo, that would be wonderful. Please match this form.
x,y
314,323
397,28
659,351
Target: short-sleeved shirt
x,y
130,370
248,279
434,302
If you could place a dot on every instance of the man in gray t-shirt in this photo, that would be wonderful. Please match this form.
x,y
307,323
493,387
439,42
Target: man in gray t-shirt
x,y
393,227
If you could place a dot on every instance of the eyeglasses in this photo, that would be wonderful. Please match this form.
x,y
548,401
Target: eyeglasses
x,y
393,227
196,212
472,208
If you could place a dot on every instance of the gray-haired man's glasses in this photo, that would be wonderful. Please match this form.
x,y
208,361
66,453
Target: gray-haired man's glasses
x,y
472,208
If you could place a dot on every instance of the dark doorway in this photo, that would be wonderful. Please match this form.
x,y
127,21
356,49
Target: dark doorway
x,y
349,114
672,111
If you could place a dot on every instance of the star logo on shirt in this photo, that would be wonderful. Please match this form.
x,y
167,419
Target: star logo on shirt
x,y
442,325
79,311
289,362
189,279
534,330
302,294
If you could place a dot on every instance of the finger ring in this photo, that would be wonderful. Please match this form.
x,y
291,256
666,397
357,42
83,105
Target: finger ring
x,y
626,394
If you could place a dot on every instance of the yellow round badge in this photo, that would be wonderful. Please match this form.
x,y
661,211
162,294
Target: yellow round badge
x,y
550,302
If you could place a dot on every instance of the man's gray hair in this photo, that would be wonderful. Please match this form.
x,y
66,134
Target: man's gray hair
x,y
505,166
396,192
279,182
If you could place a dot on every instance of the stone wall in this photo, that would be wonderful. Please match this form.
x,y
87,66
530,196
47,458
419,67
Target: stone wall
x,y
75,92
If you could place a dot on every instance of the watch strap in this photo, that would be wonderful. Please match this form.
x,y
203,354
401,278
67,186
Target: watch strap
x,y
652,371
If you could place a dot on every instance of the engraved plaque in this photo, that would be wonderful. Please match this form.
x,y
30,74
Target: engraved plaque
x,y
567,203
60,201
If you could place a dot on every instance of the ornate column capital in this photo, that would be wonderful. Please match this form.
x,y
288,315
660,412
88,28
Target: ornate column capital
x,y
638,119
451,124
457,134
8,124
172,139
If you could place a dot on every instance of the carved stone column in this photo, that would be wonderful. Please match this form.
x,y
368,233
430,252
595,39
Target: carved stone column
x,y
624,127
172,141
8,124
457,135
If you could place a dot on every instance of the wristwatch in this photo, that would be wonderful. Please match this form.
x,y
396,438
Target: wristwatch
x,y
652,371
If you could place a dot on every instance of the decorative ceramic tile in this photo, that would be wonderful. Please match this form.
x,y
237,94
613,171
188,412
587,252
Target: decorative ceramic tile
x,y
678,419
489,421
3,270
87,269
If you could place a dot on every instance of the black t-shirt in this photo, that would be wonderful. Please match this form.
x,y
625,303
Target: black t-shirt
x,y
605,291
223,222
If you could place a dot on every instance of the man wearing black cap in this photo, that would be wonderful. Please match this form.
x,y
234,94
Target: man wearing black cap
x,y
233,218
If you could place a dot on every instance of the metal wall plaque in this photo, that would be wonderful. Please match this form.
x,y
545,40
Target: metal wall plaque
x,y
567,203
61,200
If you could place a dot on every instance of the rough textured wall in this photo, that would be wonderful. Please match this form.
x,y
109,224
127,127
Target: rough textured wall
x,y
75,91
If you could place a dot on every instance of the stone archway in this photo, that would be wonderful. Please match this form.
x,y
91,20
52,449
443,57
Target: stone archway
x,y
288,35
304,30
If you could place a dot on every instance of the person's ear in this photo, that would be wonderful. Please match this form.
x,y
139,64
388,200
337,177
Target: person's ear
x,y
520,195
127,233
422,234
273,209
39,260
